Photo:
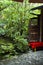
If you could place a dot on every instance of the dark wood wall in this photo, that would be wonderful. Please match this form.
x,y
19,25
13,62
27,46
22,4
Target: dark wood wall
x,y
36,1
34,31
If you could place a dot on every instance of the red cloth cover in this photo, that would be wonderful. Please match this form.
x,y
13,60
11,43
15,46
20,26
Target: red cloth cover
x,y
36,44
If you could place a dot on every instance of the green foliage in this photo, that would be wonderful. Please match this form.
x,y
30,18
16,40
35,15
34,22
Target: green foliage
x,y
14,20
5,46
1,31
21,44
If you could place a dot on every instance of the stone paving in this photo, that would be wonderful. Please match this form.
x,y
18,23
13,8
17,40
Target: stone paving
x,y
30,58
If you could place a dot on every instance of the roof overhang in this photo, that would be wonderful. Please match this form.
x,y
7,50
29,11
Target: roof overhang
x,y
36,1
39,7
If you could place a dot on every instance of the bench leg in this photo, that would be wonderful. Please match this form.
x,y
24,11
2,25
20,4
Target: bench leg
x,y
35,49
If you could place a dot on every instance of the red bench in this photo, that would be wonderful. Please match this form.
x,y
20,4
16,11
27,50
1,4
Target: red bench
x,y
36,44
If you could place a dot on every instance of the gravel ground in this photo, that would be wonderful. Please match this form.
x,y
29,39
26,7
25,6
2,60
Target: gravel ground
x,y
30,58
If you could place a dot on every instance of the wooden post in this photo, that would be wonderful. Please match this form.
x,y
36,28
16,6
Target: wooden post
x,y
41,26
42,23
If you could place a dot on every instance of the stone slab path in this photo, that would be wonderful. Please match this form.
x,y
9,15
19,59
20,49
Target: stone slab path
x,y
30,58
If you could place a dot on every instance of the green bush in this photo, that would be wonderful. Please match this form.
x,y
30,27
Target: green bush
x,y
15,20
5,46
21,44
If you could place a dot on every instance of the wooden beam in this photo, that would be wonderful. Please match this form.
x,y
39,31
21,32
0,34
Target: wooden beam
x,y
18,0
36,1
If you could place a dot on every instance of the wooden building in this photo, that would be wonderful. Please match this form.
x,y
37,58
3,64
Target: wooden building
x,y
38,36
